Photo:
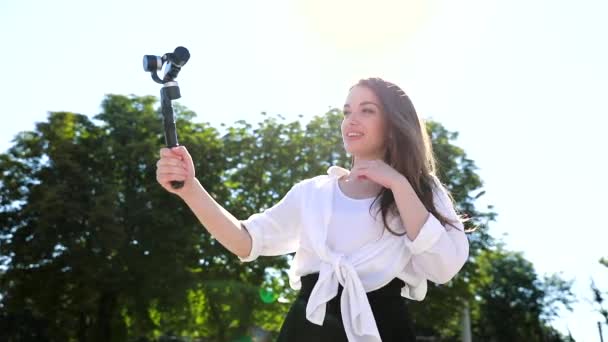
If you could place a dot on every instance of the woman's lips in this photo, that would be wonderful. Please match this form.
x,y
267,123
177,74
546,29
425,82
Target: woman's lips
x,y
354,137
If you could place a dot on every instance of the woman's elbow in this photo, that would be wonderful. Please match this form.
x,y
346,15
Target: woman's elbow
x,y
447,272
445,259
447,268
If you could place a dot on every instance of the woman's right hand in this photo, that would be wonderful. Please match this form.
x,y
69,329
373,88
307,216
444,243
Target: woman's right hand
x,y
175,164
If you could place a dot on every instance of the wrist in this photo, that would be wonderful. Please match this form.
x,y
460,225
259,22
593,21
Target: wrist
x,y
189,190
399,182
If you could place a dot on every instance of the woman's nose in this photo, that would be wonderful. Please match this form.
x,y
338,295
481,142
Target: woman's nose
x,y
352,120
353,123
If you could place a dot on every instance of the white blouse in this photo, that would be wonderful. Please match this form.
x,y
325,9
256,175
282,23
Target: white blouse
x,y
351,225
307,221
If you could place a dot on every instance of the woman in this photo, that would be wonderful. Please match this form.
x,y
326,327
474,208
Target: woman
x,y
365,239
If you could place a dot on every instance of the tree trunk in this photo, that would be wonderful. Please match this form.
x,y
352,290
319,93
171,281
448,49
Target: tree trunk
x,y
107,305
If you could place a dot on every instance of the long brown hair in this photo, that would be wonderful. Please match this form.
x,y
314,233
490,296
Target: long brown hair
x,y
408,149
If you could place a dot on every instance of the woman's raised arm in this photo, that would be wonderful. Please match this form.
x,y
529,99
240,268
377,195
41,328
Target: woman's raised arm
x,y
176,165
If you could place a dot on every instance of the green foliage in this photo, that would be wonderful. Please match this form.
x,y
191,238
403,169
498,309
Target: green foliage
x,y
512,303
440,312
83,216
94,249
599,296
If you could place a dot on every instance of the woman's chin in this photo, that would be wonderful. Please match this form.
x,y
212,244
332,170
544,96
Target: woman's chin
x,y
354,152
351,151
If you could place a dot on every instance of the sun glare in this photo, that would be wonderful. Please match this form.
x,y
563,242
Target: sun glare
x,y
363,27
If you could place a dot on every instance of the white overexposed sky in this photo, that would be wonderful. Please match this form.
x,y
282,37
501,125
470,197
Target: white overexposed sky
x,y
523,82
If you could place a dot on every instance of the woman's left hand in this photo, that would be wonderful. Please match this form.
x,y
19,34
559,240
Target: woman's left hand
x,y
377,171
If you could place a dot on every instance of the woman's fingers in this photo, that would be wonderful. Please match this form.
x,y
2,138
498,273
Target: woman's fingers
x,y
182,152
167,162
168,177
175,164
172,169
164,177
187,159
171,165
169,153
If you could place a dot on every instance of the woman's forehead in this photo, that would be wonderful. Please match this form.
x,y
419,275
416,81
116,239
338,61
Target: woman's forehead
x,y
360,94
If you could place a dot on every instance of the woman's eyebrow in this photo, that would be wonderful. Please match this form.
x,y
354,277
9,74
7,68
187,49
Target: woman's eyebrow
x,y
363,103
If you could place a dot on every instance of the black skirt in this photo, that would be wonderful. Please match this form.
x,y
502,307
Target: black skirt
x,y
388,306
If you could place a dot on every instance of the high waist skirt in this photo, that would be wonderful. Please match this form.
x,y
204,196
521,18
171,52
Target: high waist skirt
x,y
388,306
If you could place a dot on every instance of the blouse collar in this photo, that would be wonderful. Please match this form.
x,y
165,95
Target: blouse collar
x,y
337,171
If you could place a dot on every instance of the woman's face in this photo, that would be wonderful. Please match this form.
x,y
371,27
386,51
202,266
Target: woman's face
x,y
363,127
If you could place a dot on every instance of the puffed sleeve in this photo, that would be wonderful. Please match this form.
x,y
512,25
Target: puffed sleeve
x,y
439,252
275,231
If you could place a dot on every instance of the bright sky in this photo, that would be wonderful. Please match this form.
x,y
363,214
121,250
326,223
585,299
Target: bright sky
x,y
523,82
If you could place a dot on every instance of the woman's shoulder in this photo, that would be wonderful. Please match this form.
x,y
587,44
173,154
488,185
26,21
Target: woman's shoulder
x,y
332,172
312,181
437,185
336,171
442,197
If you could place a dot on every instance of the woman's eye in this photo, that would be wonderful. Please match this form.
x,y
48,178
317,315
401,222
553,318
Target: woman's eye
x,y
346,113
367,110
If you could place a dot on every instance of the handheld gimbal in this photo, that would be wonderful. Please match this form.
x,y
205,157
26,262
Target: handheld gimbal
x,y
170,90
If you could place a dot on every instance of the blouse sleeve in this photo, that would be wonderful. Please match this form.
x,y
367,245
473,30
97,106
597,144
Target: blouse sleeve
x,y
439,252
275,231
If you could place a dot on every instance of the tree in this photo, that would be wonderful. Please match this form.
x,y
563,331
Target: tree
x,y
513,304
599,295
83,215
120,258
440,312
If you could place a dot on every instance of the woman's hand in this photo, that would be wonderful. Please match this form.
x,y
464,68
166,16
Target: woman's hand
x,y
175,164
378,172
